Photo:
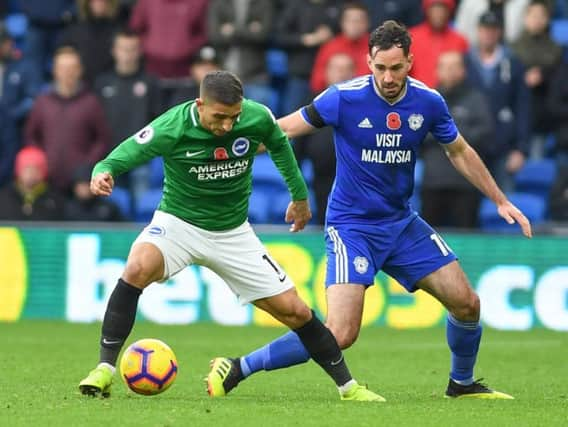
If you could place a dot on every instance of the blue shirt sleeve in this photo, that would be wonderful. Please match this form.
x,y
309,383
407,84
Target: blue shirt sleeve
x,y
443,127
327,105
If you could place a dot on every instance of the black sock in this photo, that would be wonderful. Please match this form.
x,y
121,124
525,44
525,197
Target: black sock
x,y
323,348
118,321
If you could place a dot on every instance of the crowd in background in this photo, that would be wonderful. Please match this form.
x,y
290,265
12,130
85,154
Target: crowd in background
x,y
78,77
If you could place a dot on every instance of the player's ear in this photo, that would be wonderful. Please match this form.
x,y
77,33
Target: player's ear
x,y
410,61
199,102
370,62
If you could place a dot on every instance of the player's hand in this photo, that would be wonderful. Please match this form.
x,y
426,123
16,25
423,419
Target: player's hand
x,y
512,214
102,184
298,212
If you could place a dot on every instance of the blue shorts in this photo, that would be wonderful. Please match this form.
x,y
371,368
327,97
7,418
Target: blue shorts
x,y
407,250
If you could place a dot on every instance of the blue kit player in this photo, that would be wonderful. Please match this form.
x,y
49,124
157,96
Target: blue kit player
x,y
380,121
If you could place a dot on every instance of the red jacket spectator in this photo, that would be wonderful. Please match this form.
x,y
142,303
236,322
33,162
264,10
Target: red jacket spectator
x,y
433,37
172,31
72,131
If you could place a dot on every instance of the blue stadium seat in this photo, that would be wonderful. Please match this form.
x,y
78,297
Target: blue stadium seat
x,y
277,62
415,200
264,172
559,31
536,177
534,208
259,205
156,178
146,204
121,197
16,25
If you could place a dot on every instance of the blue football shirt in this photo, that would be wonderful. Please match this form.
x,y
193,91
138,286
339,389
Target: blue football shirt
x,y
376,145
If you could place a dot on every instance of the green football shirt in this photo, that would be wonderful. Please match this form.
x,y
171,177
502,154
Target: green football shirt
x,y
208,178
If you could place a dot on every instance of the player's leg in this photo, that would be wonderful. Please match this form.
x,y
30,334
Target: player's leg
x,y
145,265
450,286
154,256
345,308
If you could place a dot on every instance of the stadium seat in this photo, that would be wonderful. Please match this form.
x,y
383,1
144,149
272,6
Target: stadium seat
x,y
156,178
264,172
277,62
259,206
17,25
121,197
415,200
533,206
536,177
559,31
147,204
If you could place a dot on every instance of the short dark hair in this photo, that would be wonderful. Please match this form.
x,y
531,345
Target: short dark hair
x,y
125,32
222,86
390,34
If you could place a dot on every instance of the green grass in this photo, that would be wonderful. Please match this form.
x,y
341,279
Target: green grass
x,y
41,364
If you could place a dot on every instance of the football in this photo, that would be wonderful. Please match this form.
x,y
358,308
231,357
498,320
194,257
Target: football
x,y
148,366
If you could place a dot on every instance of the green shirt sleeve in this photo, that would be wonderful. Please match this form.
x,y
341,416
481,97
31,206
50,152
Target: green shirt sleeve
x,y
156,139
280,151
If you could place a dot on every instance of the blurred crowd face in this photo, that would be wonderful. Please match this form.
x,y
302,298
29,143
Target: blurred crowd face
x,y
536,19
67,71
100,8
126,52
82,190
390,69
354,23
488,37
6,47
340,67
438,16
198,70
30,176
451,69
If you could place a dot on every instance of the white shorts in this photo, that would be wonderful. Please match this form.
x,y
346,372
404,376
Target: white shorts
x,y
236,255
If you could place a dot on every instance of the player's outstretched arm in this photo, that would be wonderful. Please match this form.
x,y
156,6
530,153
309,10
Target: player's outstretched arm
x,y
298,212
294,125
466,160
102,184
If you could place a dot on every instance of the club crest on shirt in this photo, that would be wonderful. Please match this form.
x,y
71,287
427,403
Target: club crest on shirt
x,y
240,146
393,121
145,135
220,153
415,121
361,264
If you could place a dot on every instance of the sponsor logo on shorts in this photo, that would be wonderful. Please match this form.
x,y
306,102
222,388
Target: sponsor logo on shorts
x,y
361,264
156,230
240,146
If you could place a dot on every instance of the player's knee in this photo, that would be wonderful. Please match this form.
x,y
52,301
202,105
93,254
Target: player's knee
x,y
138,274
345,337
469,309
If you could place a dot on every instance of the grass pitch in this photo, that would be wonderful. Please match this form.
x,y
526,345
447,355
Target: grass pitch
x,y
41,364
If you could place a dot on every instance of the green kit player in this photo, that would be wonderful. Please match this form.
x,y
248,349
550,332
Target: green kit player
x,y
208,146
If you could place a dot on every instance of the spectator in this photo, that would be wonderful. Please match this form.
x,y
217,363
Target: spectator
x,y
68,122
541,56
510,12
558,204
407,12
448,199
84,205
432,38
498,73
557,105
240,32
29,197
46,20
171,31
204,62
353,40
301,28
19,84
318,147
92,36
131,98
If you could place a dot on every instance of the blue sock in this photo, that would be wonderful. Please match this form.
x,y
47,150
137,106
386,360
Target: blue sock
x,y
285,351
463,339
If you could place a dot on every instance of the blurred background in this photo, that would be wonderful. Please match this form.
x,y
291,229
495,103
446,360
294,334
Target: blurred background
x,y
78,77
